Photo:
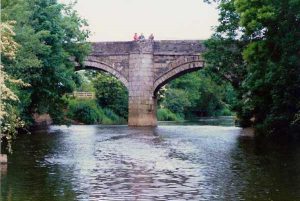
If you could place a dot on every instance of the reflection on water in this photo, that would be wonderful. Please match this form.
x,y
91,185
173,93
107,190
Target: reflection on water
x,y
165,163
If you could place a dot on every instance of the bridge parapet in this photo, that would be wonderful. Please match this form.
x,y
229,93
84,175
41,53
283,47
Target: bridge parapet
x,y
162,47
111,48
178,47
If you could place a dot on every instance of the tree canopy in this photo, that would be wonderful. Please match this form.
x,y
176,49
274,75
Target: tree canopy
x,y
256,48
49,34
39,38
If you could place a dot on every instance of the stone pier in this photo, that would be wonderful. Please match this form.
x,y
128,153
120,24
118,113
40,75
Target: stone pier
x,y
144,67
142,104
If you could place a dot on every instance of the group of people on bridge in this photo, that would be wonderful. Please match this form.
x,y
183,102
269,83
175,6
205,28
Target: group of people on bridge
x,y
142,37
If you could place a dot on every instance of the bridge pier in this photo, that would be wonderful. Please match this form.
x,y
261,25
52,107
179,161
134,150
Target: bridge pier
x,y
142,111
142,104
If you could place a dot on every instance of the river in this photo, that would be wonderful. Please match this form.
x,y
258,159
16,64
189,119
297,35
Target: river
x,y
170,162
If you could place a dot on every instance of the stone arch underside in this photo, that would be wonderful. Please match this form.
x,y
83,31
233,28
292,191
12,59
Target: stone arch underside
x,y
176,72
102,66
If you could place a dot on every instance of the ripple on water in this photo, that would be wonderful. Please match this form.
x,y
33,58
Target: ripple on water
x,y
122,163
137,163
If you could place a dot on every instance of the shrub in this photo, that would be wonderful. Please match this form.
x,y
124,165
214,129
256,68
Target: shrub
x,y
164,114
226,112
85,111
89,112
111,117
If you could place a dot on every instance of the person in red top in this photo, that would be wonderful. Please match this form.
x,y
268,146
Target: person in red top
x,y
135,37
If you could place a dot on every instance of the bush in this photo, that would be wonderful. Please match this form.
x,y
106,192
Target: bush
x,y
89,112
85,111
112,118
164,114
112,94
225,112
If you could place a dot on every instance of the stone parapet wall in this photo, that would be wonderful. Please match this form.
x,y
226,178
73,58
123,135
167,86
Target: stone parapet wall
x,y
162,47
178,47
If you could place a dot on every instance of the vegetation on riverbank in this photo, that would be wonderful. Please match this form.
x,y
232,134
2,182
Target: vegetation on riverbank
x,y
9,116
89,112
256,49
41,38
195,95
110,105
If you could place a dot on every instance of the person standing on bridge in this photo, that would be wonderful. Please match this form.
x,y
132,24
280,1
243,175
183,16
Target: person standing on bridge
x,y
135,37
151,37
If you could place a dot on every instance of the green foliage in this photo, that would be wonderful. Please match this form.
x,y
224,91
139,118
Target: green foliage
x,y
176,101
197,94
112,117
89,112
164,114
111,94
49,34
110,106
85,111
9,115
263,37
85,83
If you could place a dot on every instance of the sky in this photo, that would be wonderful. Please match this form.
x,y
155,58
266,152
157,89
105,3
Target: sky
x,y
118,20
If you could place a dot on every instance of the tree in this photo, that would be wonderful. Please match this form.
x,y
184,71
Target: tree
x,y
261,50
273,58
197,94
176,100
9,117
112,94
49,34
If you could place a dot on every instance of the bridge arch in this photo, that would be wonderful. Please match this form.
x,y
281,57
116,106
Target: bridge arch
x,y
102,66
177,68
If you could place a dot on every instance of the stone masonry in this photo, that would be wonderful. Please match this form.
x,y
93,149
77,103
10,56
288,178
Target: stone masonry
x,y
144,67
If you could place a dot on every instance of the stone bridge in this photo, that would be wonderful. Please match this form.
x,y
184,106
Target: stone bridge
x,y
144,67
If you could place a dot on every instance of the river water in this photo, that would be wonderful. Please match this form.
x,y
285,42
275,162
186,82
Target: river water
x,y
170,162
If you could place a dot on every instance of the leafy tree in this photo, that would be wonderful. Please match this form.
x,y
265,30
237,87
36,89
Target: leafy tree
x,y
85,111
198,94
273,82
112,94
50,34
176,100
9,116
85,82
263,37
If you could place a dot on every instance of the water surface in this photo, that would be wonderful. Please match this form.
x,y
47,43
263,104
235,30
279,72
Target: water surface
x,y
170,162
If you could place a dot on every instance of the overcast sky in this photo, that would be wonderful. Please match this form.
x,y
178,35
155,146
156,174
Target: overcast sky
x,y
117,20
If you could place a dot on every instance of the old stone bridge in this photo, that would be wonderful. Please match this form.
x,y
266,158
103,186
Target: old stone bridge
x,y
144,67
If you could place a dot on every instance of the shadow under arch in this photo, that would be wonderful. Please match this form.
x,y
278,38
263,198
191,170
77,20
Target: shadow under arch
x,y
175,72
102,66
